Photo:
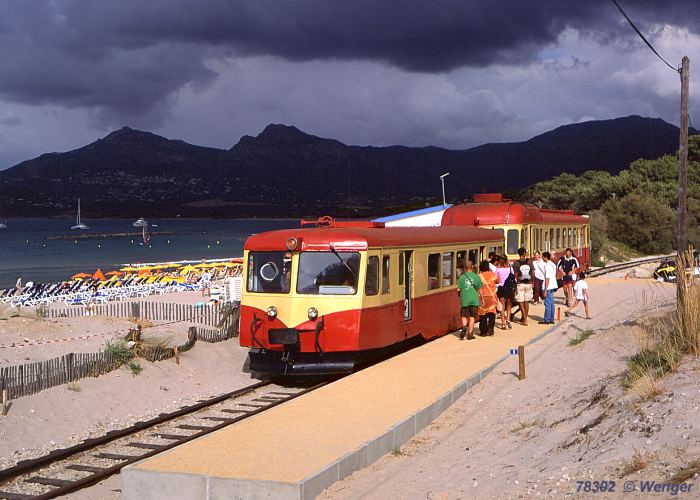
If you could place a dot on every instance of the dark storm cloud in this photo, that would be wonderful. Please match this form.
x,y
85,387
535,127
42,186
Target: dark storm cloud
x,y
124,59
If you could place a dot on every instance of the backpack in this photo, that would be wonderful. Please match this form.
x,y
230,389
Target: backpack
x,y
510,286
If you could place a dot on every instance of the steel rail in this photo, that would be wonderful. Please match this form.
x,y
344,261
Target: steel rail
x,y
626,265
30,466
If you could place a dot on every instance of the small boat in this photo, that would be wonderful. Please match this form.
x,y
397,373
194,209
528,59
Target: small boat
x,y
78,224
140,222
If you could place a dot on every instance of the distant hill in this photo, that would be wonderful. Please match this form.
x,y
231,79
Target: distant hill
x,y
286,172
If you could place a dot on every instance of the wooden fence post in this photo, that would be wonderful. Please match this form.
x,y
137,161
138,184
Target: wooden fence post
x,y
5,407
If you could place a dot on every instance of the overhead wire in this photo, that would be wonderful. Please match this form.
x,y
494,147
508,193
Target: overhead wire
x,y
634,27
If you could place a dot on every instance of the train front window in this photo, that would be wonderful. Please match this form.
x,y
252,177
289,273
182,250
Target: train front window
x,y
328,273
269,272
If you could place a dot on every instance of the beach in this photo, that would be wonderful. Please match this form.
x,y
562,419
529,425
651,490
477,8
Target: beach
x,y
66,415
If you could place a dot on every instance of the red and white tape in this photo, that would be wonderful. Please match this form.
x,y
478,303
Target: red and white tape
x,y
53,341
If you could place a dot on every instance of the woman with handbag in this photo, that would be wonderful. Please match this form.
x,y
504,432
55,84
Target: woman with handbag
x,y
503,291
488,302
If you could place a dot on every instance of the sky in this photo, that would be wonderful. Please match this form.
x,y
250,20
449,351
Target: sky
x,y
448,73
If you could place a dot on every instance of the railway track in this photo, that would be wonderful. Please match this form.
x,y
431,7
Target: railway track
x,y
626,265
67,470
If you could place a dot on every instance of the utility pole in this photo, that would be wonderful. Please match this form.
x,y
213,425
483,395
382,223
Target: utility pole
x,y
681,240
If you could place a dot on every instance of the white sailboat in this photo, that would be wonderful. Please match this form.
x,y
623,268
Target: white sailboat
x,y
140,222
78,224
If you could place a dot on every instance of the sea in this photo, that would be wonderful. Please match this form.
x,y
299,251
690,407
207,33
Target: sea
x,y
47,250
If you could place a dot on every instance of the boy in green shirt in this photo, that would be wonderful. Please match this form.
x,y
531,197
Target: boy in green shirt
x,y
468,286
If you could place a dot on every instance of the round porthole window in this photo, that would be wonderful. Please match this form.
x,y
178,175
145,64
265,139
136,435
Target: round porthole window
x,y
269,271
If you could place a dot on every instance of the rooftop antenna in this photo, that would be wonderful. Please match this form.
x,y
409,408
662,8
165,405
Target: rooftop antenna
x,y
442,180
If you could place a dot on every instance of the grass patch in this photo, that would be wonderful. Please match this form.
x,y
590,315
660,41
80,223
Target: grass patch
x,y
638,462
613,251
688,472
135,367
73,386
665,341
538,422
647,388
652,362
397,452
120,351
581,337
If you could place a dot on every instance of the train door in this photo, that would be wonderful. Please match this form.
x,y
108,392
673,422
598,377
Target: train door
x,y
406,268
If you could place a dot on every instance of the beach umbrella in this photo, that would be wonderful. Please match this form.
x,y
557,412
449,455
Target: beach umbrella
x,y
186,269
144,272
114,273
232,264
129,269
80,276
99,275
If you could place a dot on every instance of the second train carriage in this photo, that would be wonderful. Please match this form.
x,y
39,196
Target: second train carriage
x,y
326,299
525,225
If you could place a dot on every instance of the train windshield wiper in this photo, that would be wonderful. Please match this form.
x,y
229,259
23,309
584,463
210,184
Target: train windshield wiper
x,y
335,252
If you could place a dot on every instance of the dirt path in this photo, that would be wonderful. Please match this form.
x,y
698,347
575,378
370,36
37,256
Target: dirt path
x,y
569,420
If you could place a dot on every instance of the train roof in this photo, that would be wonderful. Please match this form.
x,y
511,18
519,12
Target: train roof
x,y
356,238
492,209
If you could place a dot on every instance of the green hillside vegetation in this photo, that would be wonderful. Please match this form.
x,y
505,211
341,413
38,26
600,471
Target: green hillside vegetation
x,y
634,210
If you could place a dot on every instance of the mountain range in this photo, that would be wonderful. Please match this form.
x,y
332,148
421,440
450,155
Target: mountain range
x,y
284,172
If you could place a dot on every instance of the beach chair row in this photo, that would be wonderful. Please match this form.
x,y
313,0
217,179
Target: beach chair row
x,y
90,291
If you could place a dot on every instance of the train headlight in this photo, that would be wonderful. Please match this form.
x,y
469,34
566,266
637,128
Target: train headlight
x,y
313,313
272,312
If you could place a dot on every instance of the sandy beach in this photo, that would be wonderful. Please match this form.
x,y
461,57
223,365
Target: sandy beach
x,y
65,415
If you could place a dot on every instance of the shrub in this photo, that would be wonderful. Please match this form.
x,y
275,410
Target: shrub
x,y
120,352
641,221
135,367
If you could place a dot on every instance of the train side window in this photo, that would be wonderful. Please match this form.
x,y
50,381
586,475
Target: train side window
x,y
551,239
447,268
433,271
401,266
385,274
557,240
372,281
512,242
461,259
474,256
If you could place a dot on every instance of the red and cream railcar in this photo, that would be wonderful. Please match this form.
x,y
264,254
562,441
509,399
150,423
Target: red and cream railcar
x,y
328,298
525,225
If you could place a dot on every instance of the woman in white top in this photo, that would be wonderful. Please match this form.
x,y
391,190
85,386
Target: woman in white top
x,y
538,268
